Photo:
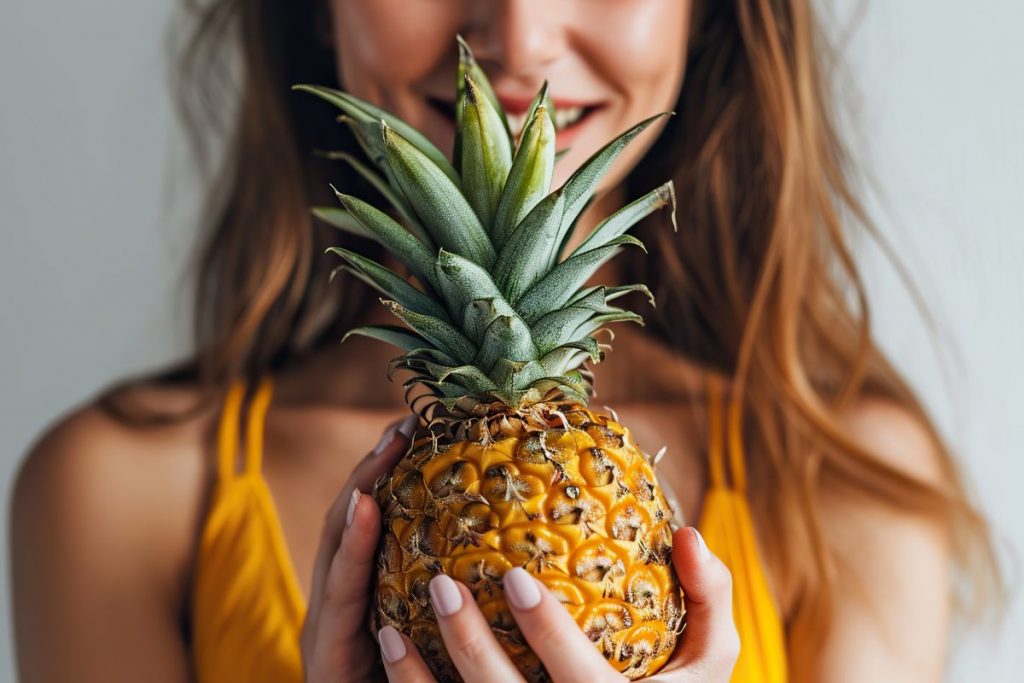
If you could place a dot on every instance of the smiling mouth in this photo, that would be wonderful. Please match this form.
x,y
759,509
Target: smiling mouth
x,y
565,121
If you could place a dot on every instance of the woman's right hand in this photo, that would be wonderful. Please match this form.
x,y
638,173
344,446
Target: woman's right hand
x,y
337,646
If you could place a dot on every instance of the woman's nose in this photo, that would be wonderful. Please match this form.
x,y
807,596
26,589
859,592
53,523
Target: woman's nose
x,y
520,37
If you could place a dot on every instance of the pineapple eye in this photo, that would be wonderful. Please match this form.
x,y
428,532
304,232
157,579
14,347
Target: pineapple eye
x,y
410,492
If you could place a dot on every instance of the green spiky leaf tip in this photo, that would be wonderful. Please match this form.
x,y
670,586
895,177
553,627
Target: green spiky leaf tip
x,y
498,311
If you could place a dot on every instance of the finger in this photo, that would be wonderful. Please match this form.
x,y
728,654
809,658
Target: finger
x,y
467,636
567,653
402,662
389,450
341,614
710,643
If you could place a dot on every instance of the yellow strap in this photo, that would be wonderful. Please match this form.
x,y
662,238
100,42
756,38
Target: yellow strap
x,y
227,432
727,525
254,426
715,460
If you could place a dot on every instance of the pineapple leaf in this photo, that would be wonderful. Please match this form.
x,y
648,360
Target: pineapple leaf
x,y
396,336
586,344
461,281
557,327
436,331
393,236
613,315
562,360
389,283
506,337
366,113
388,192
469,67
486,153
344,221
616,292
516,376
529,179
626,217
467,376
478,314
543,97
581,185
523,259
554,290
437,200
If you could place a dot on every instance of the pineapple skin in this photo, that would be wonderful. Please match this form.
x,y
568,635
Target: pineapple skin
x,y
579,508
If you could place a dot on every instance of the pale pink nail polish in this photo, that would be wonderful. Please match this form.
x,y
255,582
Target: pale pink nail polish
x,y
701,545
407,427
385,440
391,644
445,596
352,504
521,589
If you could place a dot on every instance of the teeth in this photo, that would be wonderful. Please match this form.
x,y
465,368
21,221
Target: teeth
x,y
516,122
563,118
568,116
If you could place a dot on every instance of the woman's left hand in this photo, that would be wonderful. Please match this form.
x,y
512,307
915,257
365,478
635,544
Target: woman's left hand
x,y
706,653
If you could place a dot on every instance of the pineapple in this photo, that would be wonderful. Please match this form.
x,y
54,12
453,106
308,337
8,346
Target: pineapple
x,y
509,467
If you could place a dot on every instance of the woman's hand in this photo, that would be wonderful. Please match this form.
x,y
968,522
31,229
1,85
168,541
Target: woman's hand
x,y
336,644
706,653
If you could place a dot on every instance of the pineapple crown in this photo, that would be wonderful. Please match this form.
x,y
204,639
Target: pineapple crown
x,y
500,313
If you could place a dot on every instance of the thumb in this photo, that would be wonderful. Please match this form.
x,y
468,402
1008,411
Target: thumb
x,y
710,643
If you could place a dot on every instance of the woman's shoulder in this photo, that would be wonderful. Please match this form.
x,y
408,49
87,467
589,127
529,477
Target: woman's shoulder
x,y
896,436
94,482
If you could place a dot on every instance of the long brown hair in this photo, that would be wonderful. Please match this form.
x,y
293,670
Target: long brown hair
x,y
758,286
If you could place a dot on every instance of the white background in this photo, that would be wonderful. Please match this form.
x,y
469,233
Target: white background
x,y
97,204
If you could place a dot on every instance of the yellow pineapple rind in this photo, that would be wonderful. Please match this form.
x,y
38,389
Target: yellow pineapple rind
x,y
576,504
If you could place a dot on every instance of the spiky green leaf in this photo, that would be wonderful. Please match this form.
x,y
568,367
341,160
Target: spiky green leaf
x,y
628,216
393,197
369,114
554,290
523,259
343,220
396,239
461,281
468,67
506,337
440,205
530,177
436,331
396,336
486,153
581,185
390,283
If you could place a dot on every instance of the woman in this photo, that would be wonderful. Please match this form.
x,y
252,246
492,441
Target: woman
x,y
145,551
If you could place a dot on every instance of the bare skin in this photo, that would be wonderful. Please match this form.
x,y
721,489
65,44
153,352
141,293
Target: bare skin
x,y
105,518
123,509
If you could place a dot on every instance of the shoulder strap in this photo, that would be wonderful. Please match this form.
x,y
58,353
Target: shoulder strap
x,y
736,477
255,423
228,430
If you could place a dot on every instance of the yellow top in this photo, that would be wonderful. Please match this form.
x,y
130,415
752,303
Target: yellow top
x,y
248,609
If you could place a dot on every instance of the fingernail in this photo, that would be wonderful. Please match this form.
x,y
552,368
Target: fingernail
x,y
391,644
520,589
702,547
352,507
385,440
445,596
407,427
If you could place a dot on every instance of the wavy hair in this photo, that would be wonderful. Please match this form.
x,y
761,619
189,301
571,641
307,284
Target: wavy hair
x,y
763,288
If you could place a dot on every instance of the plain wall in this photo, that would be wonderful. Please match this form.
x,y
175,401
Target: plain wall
x,y
97,206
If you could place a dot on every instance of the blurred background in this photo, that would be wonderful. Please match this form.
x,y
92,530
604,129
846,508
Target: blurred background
x,y
98,204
